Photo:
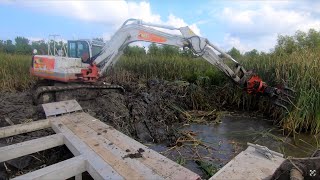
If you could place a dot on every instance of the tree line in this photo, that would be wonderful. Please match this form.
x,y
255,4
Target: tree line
x,y
23,45
285,45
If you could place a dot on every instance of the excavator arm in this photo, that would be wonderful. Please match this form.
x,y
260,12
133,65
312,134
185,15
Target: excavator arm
x,y
141,31
89,70
136,30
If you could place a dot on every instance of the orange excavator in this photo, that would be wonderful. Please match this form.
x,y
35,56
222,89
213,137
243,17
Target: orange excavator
x,y
86,62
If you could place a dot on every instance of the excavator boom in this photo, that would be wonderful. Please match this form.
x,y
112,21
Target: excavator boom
x,y
86,67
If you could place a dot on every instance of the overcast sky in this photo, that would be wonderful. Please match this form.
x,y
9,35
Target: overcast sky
x,y
242,24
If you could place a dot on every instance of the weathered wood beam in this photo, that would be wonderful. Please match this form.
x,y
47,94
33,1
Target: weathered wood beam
x,y
61,170
29,147
23,128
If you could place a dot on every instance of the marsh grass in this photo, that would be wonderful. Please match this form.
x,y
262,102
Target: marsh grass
x,y
300,70
14,72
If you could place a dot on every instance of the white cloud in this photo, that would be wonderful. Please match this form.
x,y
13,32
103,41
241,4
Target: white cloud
x,y
107,12
110,13
256,25
179,22
230,41
267,19
264,43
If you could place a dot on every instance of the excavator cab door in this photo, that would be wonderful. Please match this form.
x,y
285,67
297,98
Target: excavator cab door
x,y
79,49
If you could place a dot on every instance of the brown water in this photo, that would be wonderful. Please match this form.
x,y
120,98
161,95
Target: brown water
x,y
230,137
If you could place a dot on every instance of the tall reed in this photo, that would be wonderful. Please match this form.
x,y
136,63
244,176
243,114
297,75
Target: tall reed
x,y
299,70
14,72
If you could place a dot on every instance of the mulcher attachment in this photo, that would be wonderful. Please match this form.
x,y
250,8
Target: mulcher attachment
x,y
280,96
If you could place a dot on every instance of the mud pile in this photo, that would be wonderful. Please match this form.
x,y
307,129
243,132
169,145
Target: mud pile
x,y
147,110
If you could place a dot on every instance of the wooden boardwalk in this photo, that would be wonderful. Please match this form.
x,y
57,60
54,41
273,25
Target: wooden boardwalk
x,y
99,149
251,163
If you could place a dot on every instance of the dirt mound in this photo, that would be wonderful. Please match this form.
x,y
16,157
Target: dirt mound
x,y
147,110
17,107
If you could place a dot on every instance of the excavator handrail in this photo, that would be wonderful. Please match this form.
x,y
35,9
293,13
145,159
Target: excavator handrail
x,y
139,21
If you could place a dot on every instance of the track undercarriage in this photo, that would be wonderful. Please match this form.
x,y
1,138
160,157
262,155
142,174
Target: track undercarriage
x,y
47,91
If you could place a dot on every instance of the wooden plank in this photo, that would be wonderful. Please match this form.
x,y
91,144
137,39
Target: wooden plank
x,y
96,166
29,147
249,164
23,128
61,170
127,167
99,169
61,107
119,165
158,163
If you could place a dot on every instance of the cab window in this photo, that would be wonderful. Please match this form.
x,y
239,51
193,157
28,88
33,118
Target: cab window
x,y
72,49
78,49
96,50
83,49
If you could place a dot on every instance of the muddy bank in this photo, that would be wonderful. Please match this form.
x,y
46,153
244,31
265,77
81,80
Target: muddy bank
x,y
147,111
151,111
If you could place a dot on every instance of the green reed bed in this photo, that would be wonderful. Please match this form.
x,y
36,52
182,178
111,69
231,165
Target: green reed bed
x,y
300,70
14,72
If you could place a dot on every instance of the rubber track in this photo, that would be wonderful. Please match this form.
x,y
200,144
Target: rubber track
x,y
45,89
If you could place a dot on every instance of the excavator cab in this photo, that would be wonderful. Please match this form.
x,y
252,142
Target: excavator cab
x,y
84,49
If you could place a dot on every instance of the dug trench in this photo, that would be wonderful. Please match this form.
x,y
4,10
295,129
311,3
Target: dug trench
x,y
150,111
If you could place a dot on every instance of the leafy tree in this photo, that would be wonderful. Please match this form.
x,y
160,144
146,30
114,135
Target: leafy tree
x,y
286,44
301,39
153,49
2,46
252,53
313,39
134,51
9,47
235,53
40,46
22,45
168,50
